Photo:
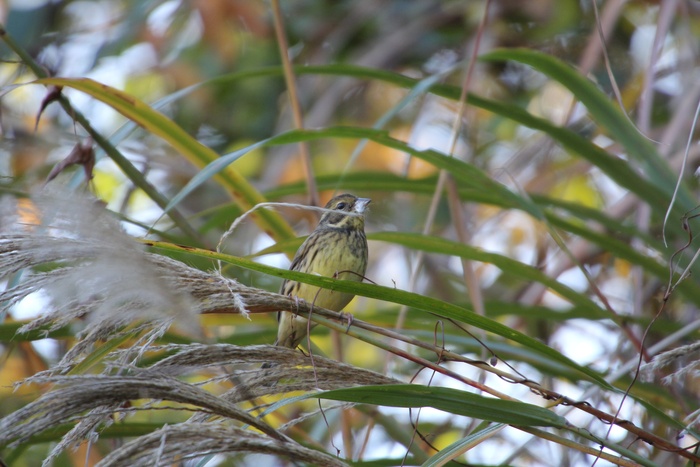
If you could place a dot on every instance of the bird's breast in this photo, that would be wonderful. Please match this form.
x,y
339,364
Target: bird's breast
x,y
341,252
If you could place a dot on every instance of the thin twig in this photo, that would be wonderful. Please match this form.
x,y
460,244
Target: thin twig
x,y
290,81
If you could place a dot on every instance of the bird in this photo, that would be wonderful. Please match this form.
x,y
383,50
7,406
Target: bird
x,y
336,248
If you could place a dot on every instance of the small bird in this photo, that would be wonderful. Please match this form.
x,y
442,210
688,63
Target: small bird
x,y
337,246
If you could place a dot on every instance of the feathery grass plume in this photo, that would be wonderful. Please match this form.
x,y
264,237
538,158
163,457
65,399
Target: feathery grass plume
x,y
90,269
101,396
93,400
186,441
686,364
292,371
95,271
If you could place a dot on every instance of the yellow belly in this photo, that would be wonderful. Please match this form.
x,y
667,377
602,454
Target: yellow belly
x,y
335,257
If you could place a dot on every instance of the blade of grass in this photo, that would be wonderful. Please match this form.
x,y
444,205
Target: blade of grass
x,y
609,117
197,153
448,400
401,297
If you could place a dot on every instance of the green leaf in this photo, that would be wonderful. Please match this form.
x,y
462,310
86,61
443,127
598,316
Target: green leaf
x,y
505,264
615,168
600,107
158,124
9,332
421,302
607,114
459,447
448,400
657,194
466,174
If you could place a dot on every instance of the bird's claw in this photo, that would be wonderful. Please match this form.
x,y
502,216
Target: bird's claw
x,y
297,301
349,317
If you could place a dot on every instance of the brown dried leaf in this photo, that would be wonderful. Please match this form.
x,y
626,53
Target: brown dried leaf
x,y
54,92
82,154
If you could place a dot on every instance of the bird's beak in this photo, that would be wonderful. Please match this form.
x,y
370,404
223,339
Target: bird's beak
x,y
361,205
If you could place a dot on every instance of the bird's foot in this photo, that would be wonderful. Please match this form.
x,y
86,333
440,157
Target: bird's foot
x,y
297,302
349,317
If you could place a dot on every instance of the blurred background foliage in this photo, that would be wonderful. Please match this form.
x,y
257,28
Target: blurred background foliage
x,y
578,195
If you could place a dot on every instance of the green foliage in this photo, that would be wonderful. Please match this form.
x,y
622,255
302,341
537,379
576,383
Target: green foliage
x,y
588,201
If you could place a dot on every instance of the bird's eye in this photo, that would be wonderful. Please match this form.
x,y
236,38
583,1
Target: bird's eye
x,y
341,205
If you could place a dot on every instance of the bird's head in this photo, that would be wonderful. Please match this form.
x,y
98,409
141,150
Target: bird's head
x,y
345,203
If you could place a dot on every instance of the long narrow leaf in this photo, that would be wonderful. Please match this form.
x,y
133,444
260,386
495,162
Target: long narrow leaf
x,y
609,117
448,400
243,192
459,447
508,265
466,174
417,301
615,168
